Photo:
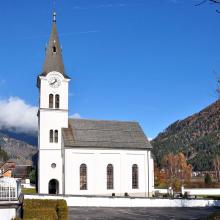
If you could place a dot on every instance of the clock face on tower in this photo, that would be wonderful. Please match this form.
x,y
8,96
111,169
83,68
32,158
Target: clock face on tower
x,y
54,82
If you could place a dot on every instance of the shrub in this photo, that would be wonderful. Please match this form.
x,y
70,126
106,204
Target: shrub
x,y
29,191
208,179
46,208
62,210
185,196
32,176
40,214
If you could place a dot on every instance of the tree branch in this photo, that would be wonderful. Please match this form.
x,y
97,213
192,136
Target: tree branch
x,y
204,1
200,3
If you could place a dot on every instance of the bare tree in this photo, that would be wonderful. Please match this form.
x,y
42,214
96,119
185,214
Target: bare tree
x,y
209,1
176,167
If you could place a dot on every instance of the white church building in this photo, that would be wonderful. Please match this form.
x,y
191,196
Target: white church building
x,y
86,157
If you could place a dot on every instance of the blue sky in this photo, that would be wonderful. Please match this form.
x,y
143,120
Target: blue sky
x,y
152,61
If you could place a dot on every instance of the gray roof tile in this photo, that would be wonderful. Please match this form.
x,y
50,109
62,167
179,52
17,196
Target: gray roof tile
x,y
105,134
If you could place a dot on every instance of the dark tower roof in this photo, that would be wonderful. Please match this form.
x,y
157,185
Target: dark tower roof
x,y
54,60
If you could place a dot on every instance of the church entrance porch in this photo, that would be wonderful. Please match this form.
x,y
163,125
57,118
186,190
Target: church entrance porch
x,y
54,187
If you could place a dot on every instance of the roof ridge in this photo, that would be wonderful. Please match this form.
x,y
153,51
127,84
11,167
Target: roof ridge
x,y
96,129
102,120
113,141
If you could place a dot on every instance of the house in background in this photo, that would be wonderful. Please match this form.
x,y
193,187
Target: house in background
x,y
10,169
6,168
21,171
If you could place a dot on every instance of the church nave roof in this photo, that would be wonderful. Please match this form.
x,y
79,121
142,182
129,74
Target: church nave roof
x,y
105,134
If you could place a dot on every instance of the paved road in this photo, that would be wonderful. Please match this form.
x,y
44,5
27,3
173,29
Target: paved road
x,y
138,213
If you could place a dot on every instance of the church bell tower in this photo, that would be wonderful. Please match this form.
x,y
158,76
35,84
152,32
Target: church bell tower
x,y
53,86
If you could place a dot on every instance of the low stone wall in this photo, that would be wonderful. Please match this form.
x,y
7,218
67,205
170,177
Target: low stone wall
x,y
7,213
8,210
199,191
162,191
94,201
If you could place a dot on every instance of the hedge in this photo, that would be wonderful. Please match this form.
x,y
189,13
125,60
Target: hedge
x,y
45,209
40,214
62,210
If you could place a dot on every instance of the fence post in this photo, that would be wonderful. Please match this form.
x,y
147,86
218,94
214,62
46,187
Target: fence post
x,y
9,192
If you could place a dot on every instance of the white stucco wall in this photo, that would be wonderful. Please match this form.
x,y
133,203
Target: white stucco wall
x,y
45,90
97,161
7,213
204,191
51,119
47,173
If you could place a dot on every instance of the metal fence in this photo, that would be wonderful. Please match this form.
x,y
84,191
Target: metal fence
x,y
9,189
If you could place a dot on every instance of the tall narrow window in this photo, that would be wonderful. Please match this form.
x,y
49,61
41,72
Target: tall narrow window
x,y
83,177
56,136
134,176
51,136
51,101
110,173
57,101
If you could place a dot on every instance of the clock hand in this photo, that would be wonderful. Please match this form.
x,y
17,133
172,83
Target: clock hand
x,y
52,82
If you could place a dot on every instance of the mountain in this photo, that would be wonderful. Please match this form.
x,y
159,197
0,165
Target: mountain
x,y
20,147
197,136
25,137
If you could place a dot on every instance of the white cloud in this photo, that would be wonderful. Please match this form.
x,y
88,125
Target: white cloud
x,y
76,115
149,138
16,114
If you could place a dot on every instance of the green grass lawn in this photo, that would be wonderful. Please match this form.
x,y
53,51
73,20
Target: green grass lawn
x,y
29,191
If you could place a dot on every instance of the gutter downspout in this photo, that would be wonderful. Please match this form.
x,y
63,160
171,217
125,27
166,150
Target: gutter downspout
x,y
148,187
63,165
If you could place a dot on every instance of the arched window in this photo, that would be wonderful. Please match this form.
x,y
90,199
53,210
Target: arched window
x,y
110,180
135,176
57,101
51,101
56,136
51,136
83,177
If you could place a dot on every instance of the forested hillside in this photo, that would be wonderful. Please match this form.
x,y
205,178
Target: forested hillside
x,y
197,136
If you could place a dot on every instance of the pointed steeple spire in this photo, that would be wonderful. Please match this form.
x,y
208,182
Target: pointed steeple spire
x,y
54,60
